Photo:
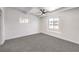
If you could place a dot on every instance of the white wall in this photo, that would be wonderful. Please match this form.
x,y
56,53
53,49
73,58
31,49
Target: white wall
x,y
14,29
69,23
0,27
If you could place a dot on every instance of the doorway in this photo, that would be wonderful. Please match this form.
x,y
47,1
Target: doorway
x,y
1,27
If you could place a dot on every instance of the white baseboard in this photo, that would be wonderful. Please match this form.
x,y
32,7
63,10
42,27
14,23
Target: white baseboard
x,y
63,38
22,36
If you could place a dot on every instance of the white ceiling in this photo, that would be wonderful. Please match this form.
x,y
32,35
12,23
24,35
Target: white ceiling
x,y
23,9
31,9
36,10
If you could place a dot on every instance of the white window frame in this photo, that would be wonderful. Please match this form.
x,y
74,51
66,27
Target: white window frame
x,y
23,20
53,24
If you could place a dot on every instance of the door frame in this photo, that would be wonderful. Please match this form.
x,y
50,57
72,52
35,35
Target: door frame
x,y
2,27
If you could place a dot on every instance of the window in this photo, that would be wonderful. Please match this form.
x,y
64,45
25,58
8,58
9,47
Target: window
x,y
54,24
23,20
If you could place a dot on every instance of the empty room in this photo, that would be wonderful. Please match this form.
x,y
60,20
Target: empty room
x,y
39,29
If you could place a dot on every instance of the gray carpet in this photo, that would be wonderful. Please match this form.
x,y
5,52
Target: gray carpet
x,y
39,43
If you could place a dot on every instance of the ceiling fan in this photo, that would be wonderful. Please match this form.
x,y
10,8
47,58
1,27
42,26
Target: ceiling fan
x,y
43,11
